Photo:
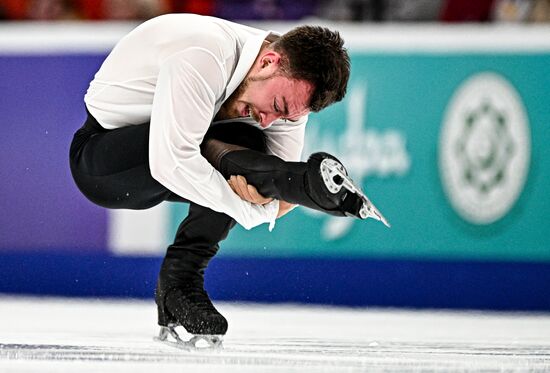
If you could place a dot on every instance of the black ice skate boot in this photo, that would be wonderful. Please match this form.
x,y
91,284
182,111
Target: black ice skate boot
x,y
190,307
321,183
180,295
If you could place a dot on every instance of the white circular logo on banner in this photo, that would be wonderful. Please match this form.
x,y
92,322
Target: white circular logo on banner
x,y
484,148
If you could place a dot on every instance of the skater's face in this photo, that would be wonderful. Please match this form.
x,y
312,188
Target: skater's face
x,y
267,95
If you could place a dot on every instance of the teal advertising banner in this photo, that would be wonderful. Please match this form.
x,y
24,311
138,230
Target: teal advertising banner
x,y
451,147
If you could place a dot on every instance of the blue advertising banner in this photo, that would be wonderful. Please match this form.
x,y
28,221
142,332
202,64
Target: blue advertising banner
x,y
41,108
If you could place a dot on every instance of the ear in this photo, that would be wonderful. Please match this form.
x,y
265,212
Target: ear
x,y
270,60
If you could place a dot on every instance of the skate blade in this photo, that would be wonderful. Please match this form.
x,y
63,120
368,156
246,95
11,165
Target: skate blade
x,y
370,211
335,177
199,342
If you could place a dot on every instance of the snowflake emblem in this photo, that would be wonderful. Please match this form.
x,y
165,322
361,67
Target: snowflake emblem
x,y
485,148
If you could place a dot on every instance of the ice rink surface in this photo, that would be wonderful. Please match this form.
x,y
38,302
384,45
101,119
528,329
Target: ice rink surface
x,y
60,335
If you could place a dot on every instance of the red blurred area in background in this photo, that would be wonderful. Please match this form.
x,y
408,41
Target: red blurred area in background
x,y
99,9
466,10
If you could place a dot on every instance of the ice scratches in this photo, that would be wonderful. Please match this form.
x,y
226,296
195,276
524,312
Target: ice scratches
x,y
309,353
68,352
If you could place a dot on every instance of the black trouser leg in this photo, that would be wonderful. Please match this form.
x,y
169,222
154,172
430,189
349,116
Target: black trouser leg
x,y
182,271
111,167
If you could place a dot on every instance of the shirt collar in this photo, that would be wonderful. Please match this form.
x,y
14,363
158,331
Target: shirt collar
x,y
250,51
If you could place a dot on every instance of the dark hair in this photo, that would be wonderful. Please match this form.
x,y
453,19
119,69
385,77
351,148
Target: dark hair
x,y
316,54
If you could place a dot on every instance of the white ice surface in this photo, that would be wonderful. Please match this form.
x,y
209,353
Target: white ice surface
x,y
60,335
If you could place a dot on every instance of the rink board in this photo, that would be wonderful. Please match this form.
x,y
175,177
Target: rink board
x,y
359,282
389,130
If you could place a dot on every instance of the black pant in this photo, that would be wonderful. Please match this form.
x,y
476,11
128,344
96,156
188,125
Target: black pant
x,y
111,168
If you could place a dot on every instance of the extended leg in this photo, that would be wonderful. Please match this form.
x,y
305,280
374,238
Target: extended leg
x,y
321,183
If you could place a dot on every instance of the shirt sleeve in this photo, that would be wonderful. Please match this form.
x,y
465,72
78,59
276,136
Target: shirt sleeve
x,y
183,107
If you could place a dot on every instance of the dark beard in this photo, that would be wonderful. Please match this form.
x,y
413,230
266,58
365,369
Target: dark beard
x,y
224,112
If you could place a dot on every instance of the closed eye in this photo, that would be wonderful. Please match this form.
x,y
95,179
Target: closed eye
x,y
278,109
275,106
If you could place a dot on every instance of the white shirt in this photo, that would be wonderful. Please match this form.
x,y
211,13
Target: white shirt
x,y
176,71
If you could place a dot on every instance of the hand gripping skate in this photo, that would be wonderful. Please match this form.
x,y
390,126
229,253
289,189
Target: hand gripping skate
x,y
212,342
335,177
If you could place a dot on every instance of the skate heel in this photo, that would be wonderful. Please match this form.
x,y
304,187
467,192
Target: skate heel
x,y
164,317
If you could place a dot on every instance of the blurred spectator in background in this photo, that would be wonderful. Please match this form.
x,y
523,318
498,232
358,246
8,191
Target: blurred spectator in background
x,y
49,10
265,9
413,10
511,10
521,10
136,9
466,10
13,10
380,10
541,11
203,7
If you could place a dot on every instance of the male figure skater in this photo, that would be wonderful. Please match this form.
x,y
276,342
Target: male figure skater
x,y
201,110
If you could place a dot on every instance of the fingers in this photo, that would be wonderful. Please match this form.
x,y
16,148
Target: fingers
x,y
234,185
247,192
256,196
240,187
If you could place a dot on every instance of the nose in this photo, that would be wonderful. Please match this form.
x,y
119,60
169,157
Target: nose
x,y
268,118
